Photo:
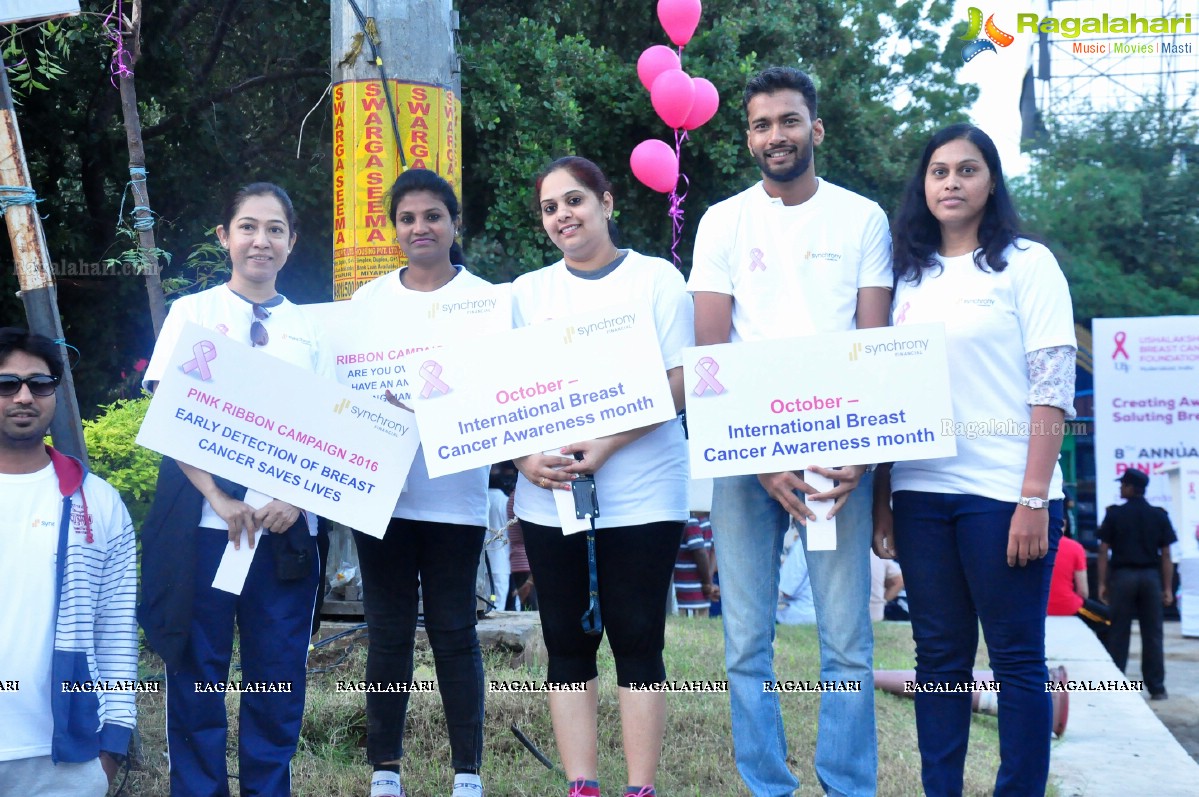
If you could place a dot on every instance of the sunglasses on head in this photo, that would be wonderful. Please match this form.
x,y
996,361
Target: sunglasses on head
x,y
40,385
258,333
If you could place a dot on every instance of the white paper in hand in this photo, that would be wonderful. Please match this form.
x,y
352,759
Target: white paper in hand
x,y
235,563
564,502
822,532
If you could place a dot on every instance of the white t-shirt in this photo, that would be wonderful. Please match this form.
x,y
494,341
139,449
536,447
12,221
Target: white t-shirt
x,y
792,270
459,498
293,338
28,546
880,571
991,321
646,481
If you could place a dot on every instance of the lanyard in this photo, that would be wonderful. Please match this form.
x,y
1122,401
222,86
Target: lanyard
x,y
593,623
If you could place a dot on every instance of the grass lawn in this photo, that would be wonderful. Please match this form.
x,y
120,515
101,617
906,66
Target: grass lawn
x,y
697,759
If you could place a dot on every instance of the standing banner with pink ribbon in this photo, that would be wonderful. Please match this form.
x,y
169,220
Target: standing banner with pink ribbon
x,y
538,387
382,345
1146,406
237,412
850,398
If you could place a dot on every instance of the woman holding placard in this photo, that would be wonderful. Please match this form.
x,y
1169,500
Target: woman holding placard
x,y
436,533
195,515
976,533
640,483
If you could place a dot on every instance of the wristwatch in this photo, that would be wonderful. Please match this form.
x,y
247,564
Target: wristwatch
x,y
1034,502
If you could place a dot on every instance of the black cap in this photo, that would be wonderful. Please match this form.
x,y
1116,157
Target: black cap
x,y
1136,478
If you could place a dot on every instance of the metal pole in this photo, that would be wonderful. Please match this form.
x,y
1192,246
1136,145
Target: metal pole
x,y
34,273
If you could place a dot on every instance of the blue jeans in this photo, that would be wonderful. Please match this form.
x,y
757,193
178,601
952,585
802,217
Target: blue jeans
x,y
748,527
442,558
953,551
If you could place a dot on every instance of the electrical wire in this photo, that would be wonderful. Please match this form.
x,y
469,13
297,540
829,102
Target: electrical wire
x,y
395,122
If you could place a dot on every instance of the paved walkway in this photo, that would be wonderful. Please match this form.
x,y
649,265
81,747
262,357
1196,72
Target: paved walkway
x,y
1114,745
1181,712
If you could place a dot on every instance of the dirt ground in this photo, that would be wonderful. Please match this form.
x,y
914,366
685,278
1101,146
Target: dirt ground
x,y
1180,713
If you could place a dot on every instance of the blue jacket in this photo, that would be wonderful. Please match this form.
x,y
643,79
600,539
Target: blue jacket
x,y
94,663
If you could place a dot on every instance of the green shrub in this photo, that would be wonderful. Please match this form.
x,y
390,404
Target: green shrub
x,y
118,459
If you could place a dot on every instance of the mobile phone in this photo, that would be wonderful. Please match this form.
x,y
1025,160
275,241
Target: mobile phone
x,y
582,490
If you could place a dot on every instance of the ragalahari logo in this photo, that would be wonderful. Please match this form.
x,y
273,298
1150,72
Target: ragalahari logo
x,y
976,45
340,407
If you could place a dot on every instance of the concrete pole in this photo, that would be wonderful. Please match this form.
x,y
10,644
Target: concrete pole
x,y
34,274
407,117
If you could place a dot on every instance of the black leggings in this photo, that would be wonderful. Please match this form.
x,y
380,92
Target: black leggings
x,y
634,564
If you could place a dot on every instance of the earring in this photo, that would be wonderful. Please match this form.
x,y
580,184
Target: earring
x,y
608,216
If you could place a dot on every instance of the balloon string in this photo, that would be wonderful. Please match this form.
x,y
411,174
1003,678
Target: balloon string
x,y
676,202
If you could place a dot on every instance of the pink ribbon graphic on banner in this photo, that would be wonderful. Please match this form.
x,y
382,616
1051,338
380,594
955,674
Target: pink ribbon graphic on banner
x,y
430,370
707,368
205,353
756,261
1120,338
903,313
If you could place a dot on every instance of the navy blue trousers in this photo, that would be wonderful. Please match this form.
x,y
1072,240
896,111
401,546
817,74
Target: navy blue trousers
x,y
274,622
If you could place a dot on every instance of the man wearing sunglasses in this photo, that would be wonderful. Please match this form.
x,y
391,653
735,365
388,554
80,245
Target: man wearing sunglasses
x,y
68,663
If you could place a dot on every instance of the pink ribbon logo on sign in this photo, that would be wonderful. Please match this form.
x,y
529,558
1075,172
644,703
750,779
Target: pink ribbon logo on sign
x,y
205,353
706,369
1119,339
430,371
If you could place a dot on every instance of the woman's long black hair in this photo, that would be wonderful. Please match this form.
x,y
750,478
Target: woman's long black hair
x,y
430,182
916,236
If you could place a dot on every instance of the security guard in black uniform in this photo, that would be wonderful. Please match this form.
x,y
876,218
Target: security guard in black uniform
x,y
1142,577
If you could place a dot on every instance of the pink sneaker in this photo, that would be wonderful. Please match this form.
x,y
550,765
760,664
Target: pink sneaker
x,y
584,788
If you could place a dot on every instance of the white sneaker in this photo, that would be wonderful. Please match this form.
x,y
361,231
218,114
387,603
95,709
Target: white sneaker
x,y
467,785
386,784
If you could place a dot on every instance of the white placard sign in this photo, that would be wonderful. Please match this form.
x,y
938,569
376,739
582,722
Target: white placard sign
x,y
276,428
375,342
31,10
541,386
850,398
1146,402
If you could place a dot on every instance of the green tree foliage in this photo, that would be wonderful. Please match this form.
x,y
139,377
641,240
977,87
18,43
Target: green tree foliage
x,y
117,459
542,80
1114,194
223,86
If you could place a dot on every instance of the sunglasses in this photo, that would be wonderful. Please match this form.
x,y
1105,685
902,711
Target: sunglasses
x,y
258,333
40,385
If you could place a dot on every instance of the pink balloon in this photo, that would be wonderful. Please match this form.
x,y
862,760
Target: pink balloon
x,y
679,19
654,61
672,95
655,164
707,102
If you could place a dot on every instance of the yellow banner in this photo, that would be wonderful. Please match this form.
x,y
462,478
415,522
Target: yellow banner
x,y
366,162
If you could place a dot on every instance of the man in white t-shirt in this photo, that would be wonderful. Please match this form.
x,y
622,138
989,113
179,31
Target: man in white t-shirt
x,y
793,255
68,663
